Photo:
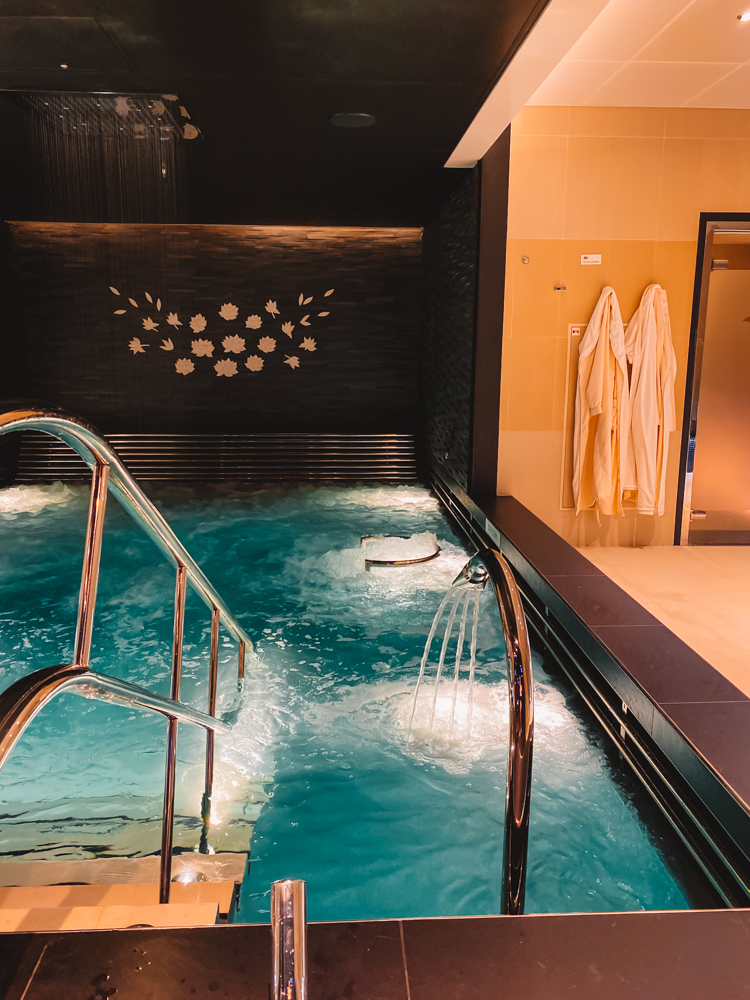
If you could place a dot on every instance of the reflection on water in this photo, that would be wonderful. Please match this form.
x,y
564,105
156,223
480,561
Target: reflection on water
x,y
318,769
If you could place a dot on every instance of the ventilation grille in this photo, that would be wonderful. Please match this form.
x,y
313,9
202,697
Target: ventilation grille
x,y
232,457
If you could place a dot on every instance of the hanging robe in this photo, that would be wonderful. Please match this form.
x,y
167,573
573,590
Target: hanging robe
x,y
648,346
600,434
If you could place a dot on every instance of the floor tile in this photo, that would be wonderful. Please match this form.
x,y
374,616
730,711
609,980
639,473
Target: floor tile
x,y
701,593
719,732
599,601
543,547
650,956
665,666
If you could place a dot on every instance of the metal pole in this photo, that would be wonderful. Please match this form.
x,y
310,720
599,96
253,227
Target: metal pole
x,y
210,735
488,563
289,940
167,826
520,750
91,558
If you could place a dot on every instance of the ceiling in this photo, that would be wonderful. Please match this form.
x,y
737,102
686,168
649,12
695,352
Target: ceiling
x,y
262,78
657,53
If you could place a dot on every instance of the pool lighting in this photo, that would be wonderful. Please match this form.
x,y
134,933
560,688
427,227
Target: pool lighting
x,y
744,17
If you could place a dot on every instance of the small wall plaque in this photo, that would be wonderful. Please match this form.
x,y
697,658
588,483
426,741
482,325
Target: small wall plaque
x,y
591,258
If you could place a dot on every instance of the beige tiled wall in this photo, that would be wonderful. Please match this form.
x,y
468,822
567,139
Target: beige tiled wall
x,y
629,183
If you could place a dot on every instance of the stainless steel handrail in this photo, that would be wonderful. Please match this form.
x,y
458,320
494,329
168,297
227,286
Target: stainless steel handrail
x,y
86,441
490,564
24,700
109,473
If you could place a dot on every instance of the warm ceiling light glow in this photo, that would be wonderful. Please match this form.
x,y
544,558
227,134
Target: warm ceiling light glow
x,y
744,17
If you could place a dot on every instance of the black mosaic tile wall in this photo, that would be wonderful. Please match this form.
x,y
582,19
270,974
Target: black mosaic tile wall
x,y
450,270
343,363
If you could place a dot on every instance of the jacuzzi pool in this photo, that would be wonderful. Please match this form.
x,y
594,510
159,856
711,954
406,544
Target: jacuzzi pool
x,y
317,772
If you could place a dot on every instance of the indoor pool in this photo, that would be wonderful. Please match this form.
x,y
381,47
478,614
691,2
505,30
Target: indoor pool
x,y
317,777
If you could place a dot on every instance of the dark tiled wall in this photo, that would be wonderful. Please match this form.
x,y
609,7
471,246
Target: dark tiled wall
x,y
362,376
450,269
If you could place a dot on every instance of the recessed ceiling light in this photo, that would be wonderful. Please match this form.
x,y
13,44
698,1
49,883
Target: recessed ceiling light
x,y
353,120
744,17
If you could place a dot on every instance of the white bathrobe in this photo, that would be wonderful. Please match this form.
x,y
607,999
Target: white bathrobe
x,y
648,345
600,435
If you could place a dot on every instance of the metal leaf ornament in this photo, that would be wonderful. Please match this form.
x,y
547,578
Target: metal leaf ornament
x,y
287,328
148,324
233,345
266,344
228,311
202,348
198,323
136,346
272,308
253,322
226,367
183,366
173,320
293,361
254,363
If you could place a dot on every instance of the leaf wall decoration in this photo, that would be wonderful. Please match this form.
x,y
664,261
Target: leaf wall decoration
x,y
158,305
307,300
184,366
233,345
202,348
329,292
324,314
167,345
303,321
226,367
133,302
148,297
113,290
119,312
301,299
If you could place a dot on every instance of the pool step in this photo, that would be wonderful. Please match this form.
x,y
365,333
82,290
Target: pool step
x,y
78,918
190,867
128,895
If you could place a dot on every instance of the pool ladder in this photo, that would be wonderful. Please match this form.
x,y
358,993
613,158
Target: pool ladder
x,y
21,702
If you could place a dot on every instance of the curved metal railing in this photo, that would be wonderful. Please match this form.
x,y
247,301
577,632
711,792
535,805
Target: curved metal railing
x,y
24,700
109,473
486,565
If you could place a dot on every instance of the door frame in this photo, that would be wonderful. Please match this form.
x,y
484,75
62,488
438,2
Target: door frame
x,y
710,224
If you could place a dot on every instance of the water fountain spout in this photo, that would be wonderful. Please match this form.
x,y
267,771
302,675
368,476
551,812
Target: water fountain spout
x,y
474,574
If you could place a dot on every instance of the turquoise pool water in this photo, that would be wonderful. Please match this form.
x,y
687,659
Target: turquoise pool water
x,y
317,769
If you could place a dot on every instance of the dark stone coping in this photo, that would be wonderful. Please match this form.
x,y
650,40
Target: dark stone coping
x,y
698,718
692,955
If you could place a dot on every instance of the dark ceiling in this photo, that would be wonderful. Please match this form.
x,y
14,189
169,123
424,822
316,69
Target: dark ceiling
x,y
261,79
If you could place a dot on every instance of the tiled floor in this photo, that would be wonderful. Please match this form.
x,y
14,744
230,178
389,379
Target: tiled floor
x,y
702,593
